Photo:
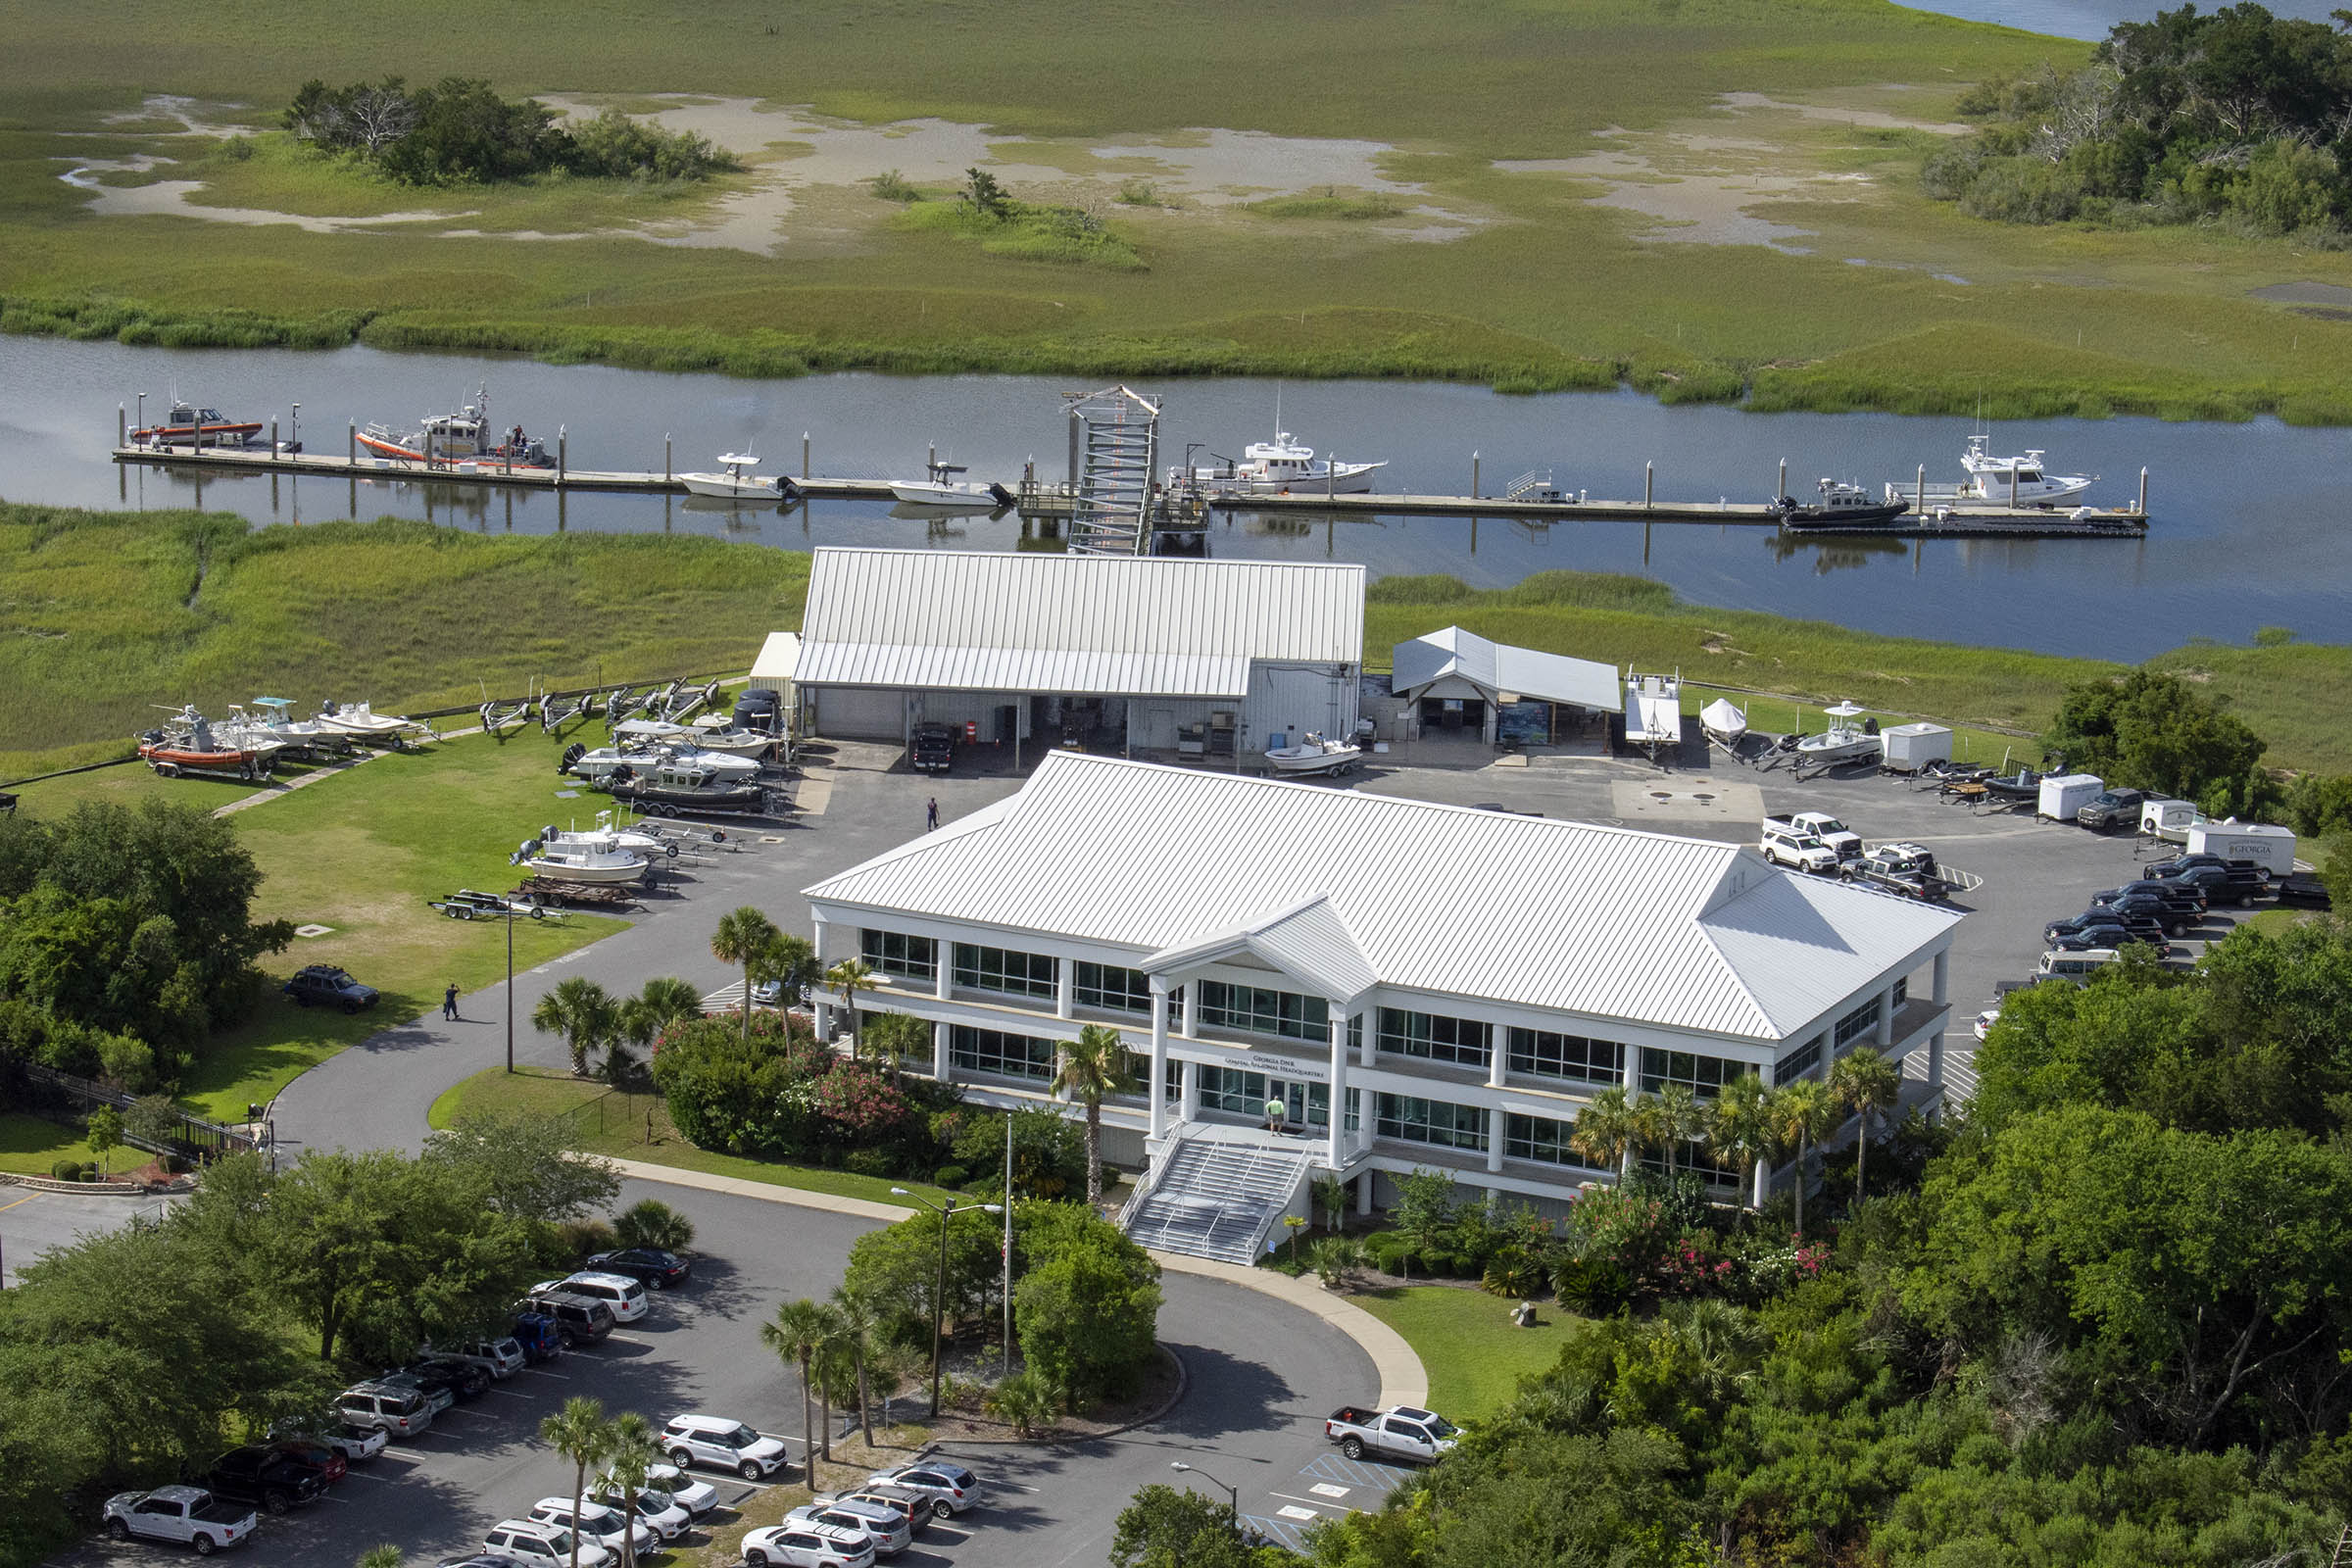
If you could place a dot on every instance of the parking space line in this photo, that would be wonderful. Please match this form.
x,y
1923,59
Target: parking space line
x,y
1314,1502
507,1393
27,1199
541,1372
629,1338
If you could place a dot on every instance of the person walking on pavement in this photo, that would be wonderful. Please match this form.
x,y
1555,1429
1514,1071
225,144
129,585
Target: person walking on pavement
x,y
931,813
449,1002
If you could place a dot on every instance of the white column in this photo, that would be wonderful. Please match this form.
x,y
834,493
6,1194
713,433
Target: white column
x,y
1188,1093
1942,993
1494,1138
1192,992
944,976
940,1067
1886,1018
1363,1194
1633,1069
1763,1175
822,1010
1065,988
1498,1054
1936,1060
1371,1027
1339,1085
1159,1055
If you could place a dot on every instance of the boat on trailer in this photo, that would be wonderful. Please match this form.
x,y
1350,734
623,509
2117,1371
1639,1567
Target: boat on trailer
x,y
1725,724
1843,740
1314,756
187,744
360,721
1653,713
576,861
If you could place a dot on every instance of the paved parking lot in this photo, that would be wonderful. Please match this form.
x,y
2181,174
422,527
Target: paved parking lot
x,y
31,1223
1263,1373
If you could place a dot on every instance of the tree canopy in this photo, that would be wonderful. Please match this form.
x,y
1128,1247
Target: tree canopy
x,y
2153,731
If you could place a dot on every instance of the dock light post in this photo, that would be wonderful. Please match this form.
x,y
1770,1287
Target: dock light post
x,y
1233,1495
141,422
939,1296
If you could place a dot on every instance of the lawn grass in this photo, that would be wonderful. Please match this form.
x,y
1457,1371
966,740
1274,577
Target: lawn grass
x,y
361,853
30,1145
610,1121
1541,287
1473,1352
109,614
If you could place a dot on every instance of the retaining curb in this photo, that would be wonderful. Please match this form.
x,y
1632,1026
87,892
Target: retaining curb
x,y
1184,1383
107,1189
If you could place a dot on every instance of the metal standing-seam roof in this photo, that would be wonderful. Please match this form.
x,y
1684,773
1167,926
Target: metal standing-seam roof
x,y
1503,667
779,656
1129,626
1607,922
1309,941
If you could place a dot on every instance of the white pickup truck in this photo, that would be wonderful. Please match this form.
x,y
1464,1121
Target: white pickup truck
x,y
1399,1432
185,1516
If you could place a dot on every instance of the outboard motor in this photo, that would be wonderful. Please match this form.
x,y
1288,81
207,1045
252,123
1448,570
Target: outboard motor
x,y
571,757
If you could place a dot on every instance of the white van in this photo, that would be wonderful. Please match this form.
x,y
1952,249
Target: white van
x,y
624,1296
2075,966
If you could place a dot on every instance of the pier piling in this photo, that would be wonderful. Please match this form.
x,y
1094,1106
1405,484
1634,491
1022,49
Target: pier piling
x,y
1649,483
1783,488
562,450
666,473
804,454
2143,492
121,425
351,444
1920,505
276,451
1474,476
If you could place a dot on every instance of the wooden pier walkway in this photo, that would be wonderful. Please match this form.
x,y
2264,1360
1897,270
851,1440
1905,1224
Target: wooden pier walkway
x,y
1048,500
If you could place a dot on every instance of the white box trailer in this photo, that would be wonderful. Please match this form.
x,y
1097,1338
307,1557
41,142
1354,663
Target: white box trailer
x,y
1912,747
2065,794
2169,820
2270,848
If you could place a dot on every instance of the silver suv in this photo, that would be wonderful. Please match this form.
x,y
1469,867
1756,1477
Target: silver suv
x,y
395,1411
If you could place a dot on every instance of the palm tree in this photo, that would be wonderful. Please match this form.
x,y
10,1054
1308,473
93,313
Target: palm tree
x,y
664,1000
580,1433
629,1454
1649,1129
742,936
1680,1118
1741,1124
1863,1082
797,1333
1806,1112
386,1556
1604,1129
860,1323
852,975
1094,1066
583,1013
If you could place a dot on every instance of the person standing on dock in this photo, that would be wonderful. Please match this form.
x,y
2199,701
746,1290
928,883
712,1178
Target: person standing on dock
x,y
931,814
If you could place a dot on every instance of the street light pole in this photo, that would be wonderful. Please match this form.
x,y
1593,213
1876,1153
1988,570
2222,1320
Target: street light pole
x,y
1233,1494
510,986
939,1296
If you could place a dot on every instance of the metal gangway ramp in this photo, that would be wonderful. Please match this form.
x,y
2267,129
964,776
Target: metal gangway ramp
x,y
1114,434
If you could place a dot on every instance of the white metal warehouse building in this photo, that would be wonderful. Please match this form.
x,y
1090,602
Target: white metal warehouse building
x,y
1414,984
1457,679
1135,651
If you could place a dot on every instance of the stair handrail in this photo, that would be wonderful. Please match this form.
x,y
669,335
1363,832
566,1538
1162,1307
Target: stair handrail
x,y
1301,1171
1154,1172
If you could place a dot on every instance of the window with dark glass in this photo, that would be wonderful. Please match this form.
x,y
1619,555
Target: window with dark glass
x,y
1857,1023
1001,970
1799,1064
1539,1138
1259,1012
896,952
1540,1053
1437,1122
1704,1076
1435,1036
1005,1055
1231,1089
1112,988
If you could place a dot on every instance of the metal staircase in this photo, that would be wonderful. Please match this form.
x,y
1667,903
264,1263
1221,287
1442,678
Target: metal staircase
x,y
1217,1200
1115,435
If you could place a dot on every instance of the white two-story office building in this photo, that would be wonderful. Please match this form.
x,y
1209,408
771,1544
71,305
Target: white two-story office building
x,y
1418,985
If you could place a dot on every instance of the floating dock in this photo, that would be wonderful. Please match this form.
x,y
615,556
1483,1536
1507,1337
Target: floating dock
x,y
1183,513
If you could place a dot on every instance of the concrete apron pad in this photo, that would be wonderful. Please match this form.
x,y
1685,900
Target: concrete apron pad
x,y
1685,797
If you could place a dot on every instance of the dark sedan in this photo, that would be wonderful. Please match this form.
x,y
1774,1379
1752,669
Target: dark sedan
x,y
2173,917
2125,928
649,1266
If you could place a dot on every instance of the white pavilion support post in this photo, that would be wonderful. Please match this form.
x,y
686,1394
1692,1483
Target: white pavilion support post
x,y
1886,1037
1633,1088
1160,1055
941,1068
1941,992
1065,989
1493,1142
1497,1054
1339,1085
1188,1093
822,1008
1190,1027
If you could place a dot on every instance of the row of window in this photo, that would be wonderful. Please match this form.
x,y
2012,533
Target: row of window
x,y
1291,1015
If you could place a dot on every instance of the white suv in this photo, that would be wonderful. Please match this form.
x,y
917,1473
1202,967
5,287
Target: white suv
x,y
624,1296
797,1543
668,1517
886,1527
950,1489
716,1441
596,1522
530,1542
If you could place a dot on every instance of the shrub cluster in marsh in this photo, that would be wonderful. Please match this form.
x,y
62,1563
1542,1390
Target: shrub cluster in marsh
x,y
1378,204
984,212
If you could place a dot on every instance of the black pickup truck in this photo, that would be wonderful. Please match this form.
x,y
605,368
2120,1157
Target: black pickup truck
x,y
258,1474
934,749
